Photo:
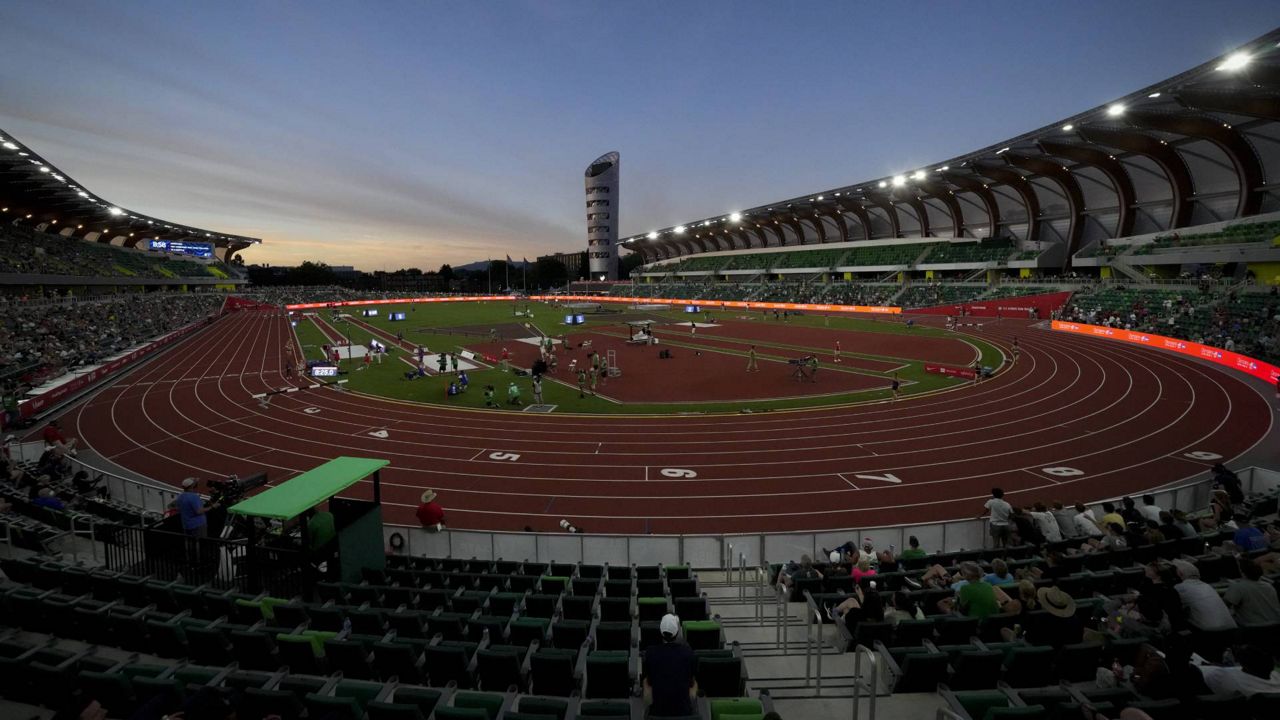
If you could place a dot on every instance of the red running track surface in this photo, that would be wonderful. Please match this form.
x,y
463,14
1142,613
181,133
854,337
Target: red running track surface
x,y
1118,418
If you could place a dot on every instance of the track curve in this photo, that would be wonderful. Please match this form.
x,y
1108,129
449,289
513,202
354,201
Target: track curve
x,y
1073,419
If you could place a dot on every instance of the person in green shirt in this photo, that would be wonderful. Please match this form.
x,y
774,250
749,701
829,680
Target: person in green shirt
x,y
321,529
913,550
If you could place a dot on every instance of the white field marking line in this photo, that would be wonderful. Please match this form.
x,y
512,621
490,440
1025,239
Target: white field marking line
x,y
1041,477
478,453
842,477
145,369
873,452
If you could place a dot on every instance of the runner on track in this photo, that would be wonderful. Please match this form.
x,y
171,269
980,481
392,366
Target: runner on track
x,y
896,387
751,360
1016,350
837,359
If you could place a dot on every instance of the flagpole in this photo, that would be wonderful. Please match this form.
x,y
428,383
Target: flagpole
x,y
508,267
490,277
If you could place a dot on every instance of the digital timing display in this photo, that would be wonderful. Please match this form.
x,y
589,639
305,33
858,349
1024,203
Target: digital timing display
x,y
196,249
324,371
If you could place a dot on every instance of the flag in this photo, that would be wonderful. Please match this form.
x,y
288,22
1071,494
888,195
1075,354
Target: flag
x,y
509,258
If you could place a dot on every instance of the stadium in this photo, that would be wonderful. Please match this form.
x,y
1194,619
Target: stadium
x,y
993,436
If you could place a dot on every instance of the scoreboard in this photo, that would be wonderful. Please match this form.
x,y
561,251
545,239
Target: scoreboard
x,y
182,247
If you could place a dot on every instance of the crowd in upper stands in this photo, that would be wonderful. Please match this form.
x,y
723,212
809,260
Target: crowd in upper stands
x,y
28,252
39,341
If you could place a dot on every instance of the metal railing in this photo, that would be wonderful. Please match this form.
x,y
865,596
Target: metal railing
x,y
699,551
873,685
225,564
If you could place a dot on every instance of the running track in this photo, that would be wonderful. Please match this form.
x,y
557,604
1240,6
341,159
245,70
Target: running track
x,y
1109,418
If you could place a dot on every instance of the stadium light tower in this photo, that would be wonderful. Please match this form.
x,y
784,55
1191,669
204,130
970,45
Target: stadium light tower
x,y
602,216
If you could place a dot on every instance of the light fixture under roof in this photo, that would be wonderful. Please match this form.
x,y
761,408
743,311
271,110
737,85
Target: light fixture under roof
x,y
917,175
44,169
679,229
735,217
899,180
11,146
1154,95
1235,61
883,184
819,197
1068,127
1115,110
652,236
944,168
115,211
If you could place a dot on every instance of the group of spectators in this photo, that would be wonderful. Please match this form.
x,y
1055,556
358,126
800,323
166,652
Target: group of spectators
x,y
42,341
1163,604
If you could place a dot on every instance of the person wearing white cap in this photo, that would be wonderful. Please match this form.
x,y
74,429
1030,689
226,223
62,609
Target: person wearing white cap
x,y
192,509
669,684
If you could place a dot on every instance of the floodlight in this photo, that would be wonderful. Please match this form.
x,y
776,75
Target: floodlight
x,y
917,175
679,229
1068,127
1154,95
1235,61
883,184
899,180
44,168
1115,110
735,217
819,197
652,236
11,146
115,211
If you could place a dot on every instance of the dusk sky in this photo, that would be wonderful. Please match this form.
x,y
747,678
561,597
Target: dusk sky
x,y
389,133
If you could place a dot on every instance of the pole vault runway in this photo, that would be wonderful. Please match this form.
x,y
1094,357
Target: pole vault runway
x,y
1073,419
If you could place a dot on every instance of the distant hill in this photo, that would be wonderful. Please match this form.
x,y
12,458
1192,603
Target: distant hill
x,y
482,265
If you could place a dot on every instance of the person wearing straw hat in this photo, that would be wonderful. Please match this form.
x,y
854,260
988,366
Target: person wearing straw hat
x,y
193,510
1060,627
429,513
669,683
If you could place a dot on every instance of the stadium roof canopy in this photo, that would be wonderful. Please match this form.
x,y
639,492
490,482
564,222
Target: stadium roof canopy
x,y
1196,148
35,192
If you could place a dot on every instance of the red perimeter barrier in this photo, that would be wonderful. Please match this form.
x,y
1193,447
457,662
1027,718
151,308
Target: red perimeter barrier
x,y
1244,363
879,309
966,373
1013,307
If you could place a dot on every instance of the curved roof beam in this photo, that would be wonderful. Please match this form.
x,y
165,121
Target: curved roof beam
x,y
1021,185
940,192
1168,159
886,204
1115,171
1046,167
1243,158
839,220
904,195
1238,102
969,183
859,212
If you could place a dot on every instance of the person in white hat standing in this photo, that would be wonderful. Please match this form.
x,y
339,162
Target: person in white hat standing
x,y
669,684
193,510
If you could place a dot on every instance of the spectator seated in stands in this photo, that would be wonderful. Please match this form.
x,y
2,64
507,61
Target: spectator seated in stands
x,y
1248,538
976,598
1137,615
999,574
913,551
904,608
802,571
1252,601
1204,608
862,570
1060,627
1046,523
1065,519
1113,540
1149,509
1085,524
1256,673
862,605
429,513
46,497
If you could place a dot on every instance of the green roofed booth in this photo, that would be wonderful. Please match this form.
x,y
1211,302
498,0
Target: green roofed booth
x,y
348,536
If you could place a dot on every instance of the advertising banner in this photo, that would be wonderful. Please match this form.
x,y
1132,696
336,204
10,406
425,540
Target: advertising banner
x,y
1243,363
966,373
1011,307
632,300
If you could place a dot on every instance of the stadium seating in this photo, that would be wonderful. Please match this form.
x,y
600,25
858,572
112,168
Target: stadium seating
x,y
991,250
26,251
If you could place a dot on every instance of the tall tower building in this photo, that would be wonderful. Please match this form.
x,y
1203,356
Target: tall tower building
x,y
602,217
